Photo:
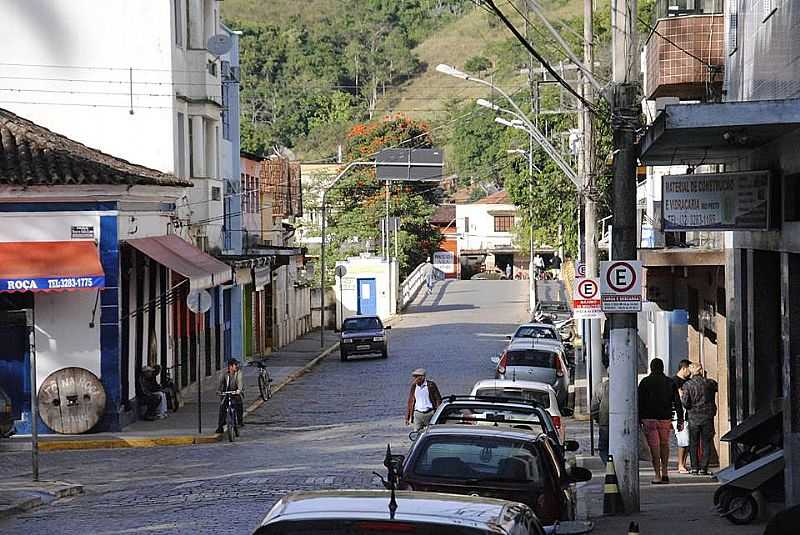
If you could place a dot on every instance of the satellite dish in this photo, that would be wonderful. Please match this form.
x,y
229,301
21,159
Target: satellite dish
x,y
219,44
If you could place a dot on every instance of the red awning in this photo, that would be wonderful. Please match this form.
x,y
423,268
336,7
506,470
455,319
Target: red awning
x,y
202,270
52,266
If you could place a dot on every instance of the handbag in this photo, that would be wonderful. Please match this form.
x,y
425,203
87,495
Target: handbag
x,y
681,437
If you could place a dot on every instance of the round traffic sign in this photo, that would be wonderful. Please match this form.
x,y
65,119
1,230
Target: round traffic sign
x,y
621,277
341,271
588,289
198,301
581,269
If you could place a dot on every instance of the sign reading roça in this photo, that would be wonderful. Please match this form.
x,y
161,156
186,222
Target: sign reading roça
x,y
716,201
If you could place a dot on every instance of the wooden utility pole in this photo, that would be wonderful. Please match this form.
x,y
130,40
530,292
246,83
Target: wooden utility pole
x,y
623,406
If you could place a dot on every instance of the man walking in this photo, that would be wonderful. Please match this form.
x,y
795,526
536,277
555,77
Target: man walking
x,y
658,398
699,398
600,415
233,381
682,436
423,399
555,266
508,271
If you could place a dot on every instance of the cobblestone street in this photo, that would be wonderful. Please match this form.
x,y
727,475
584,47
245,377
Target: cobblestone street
x,y
329,429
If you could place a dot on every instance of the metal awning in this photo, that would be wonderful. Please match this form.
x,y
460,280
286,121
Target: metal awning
x,y
693,134
202,270
50,266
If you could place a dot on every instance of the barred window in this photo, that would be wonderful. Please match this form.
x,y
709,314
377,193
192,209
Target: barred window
x,y
503,223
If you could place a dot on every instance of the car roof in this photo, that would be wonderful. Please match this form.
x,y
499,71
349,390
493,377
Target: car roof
x,y
527,385
461,430
537,324
374,505
535,343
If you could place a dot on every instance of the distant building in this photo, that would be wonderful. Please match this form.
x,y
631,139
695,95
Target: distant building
x,y
446,258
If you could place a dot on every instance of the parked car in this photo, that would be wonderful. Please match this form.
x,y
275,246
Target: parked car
x,y
6,415
366,512
493,462
541,393
531,359
535,330
496,411
363,335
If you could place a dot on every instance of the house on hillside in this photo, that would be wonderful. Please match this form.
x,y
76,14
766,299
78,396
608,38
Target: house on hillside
x,y
485,237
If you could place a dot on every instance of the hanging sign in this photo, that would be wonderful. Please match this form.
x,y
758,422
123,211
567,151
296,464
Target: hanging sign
x,y
621,286
586,304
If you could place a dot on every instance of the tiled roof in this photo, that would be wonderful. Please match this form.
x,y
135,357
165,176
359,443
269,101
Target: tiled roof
x,y
444,214
501,197
31,155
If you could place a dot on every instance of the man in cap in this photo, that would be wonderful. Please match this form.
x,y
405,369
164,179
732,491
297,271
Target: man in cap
x,y
423,399
233,381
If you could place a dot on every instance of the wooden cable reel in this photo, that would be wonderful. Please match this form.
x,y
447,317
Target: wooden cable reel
x,y
71,401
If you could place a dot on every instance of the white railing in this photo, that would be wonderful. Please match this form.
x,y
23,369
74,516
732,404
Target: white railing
x,y
410,287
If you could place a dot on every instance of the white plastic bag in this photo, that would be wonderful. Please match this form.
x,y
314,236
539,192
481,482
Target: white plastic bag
x,y
682,437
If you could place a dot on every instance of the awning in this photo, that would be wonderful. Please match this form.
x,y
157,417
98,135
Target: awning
x,y
202,270
51,266
685,134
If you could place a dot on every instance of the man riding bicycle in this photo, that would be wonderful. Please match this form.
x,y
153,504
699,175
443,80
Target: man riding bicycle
x,y
233,381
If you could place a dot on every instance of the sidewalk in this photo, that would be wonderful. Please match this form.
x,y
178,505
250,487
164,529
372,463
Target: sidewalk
x,y
180,428
17,497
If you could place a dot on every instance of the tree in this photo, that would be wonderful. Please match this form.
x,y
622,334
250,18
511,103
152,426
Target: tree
x,y
477,64
357,203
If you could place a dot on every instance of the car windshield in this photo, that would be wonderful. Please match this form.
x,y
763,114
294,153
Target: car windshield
x,y
479,459
535,331
553,307
365,527
517,393
361,324
491,416
534,358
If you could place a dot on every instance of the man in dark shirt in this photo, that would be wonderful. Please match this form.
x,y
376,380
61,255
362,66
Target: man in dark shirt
x,y
680,377
699,397
658,399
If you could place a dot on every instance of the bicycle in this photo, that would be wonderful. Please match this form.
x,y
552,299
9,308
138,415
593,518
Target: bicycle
x,y
264,380
231,421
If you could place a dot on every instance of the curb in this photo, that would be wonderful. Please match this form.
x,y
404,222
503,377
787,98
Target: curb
x,y
35,501
291,377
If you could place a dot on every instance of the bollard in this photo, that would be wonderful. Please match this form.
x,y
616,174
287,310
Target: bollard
x,y
612,499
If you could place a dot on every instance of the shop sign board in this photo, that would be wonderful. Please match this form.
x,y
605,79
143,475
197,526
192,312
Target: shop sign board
x,y
621,286
716,201
586,303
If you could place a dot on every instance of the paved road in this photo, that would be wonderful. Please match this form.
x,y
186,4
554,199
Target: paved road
x,y
327,430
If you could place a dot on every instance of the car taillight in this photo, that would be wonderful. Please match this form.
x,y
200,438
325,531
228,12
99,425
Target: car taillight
x,y
501,366
547,508
557,421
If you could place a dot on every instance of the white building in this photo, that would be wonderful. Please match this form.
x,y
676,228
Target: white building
x,y
485,235
133,79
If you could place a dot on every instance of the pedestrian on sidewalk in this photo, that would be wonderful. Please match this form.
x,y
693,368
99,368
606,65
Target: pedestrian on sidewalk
x,y
699,398
555,266
508,271
423,399
233,381
682,436
600,415
429,280
658,399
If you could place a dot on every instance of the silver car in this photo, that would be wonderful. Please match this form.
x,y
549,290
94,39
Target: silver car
x,y
532,359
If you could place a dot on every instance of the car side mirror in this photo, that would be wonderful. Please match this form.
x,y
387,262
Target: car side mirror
x,y
496,360
571,445
578,474
387,328
413,436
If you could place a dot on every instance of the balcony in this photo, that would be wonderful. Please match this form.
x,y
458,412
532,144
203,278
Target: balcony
x,y
683,29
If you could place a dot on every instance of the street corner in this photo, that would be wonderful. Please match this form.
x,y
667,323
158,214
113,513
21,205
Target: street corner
x,y
20,496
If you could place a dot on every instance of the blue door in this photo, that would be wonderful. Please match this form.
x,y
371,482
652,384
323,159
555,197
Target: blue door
x,y
367,300
15,367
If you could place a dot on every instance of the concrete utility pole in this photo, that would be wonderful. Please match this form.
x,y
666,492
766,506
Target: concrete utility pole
x,y
592,334
623,407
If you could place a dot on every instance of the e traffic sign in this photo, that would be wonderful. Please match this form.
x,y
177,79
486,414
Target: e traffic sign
x,y
621,286
580,270
586,302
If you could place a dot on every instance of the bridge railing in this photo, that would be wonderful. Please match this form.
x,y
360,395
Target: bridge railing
x,y
410,287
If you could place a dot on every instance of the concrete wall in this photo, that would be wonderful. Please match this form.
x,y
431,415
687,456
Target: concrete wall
x,y
366,268
481,235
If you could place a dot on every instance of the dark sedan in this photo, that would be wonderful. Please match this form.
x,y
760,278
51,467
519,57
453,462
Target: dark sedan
x,y
363,335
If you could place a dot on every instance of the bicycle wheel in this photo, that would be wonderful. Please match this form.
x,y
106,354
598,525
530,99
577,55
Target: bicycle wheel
x,y
263,387
230,422
269,389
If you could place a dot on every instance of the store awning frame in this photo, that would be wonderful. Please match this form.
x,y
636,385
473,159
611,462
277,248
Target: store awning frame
x,y
50,266
713,133
201,269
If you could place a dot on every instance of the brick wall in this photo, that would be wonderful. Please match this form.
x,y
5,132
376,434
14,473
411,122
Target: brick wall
x,y
671,72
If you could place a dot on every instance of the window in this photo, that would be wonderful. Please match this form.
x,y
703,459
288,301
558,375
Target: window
x,y
181,131
466,225
216,193
533,358
538,396
191,148
535,331
178,14
503,223
791,197
767,9
733,23
188,26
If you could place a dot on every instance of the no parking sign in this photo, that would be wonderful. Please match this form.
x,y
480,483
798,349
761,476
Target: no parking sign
x,y
586,303
621,286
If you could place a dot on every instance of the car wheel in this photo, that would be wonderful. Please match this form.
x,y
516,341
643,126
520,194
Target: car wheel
x,y
385,353
743,509
343,356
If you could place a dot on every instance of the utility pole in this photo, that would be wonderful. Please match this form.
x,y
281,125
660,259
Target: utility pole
x,y
594,345
623,406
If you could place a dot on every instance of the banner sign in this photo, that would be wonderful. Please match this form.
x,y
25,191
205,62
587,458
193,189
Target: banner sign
x,y
49,284
716,201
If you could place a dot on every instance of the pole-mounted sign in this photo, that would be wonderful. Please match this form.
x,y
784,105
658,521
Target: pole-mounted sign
x,y
621,286
586,299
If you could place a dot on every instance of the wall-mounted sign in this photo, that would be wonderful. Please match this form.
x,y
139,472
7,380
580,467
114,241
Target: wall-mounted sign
x,y
82,232
716,201
45,284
